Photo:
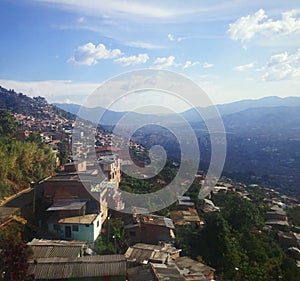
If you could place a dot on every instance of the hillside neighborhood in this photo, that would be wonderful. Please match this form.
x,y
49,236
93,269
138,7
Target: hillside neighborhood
x,y
68,216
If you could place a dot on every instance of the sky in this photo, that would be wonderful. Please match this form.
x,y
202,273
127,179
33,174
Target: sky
x,y
234,50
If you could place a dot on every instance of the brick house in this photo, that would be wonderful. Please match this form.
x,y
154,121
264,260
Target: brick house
x,y
150,229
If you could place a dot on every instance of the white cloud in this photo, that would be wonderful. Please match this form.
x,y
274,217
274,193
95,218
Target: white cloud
x,y
246,28
53,90
171,37
189,64
207,65
282,67
143,45
132,60
90,54
244,67
164,62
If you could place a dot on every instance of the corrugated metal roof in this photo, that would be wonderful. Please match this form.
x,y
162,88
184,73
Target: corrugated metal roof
x,y
67,204
141,253
193,266
55,248
90,266
156,220
141,273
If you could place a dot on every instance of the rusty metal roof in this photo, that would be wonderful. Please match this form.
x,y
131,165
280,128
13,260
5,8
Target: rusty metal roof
x,y
142,253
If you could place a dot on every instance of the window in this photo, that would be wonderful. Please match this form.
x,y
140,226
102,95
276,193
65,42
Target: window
x,y
87,225
132,233
98,223
75,227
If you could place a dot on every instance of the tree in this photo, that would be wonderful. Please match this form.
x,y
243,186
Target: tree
x,y
8,125
103,248
239,212
14,256
62,152
219,247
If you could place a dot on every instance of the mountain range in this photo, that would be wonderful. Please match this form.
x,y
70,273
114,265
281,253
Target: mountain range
x,y
112,117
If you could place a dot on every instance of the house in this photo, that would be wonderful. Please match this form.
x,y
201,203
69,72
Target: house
x,y
111,167
185,202
150,229
71,186
154,272
79,166
85,228
167,272
209,206
143,253
194,270
277,224
184,217
141,273
286,239
276,213
276,217
92,268
56,248
219,188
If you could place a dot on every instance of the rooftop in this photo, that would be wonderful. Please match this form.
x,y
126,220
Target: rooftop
x,y
83,267
184,217
185,201
67,205
142,272
142,253
86,219
156,220
186,263
55,248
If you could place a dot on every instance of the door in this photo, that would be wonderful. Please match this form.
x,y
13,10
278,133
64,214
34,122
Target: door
x,y
68,231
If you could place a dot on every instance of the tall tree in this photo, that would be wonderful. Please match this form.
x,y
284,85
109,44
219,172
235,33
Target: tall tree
x,y
8,125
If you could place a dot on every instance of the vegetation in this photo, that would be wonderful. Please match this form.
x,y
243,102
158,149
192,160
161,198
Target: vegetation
x,y
21,162
294,215
234,242
14,255
63,152
114,240
8,125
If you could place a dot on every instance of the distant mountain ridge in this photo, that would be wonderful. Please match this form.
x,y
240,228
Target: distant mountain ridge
x,y
112,117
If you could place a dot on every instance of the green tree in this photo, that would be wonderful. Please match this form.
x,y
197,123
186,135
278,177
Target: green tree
x,y
103,248
8,125
240,213
219,247
62,152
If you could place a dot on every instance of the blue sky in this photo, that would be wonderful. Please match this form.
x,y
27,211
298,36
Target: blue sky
x,y
234,50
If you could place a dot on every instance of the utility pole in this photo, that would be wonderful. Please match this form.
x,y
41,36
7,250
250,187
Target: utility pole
x,y
34,195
